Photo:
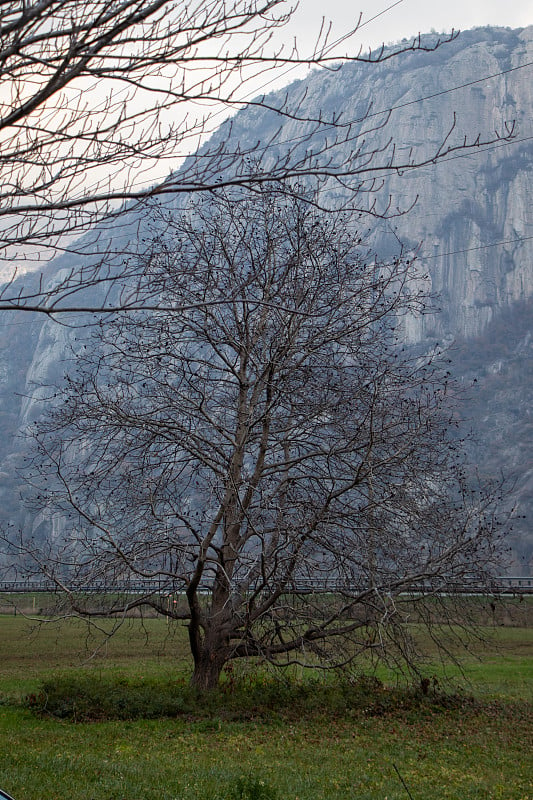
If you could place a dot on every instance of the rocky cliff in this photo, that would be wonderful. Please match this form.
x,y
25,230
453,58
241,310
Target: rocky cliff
x,y
471,223
472,212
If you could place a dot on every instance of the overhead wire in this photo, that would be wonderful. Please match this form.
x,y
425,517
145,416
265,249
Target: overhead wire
x,y
471,151
518,240
467,153
335,42
390,109
381,112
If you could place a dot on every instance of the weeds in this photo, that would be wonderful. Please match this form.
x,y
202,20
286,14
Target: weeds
x,y
248,787
83,698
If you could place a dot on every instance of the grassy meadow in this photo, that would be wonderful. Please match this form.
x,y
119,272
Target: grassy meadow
x,y
260,738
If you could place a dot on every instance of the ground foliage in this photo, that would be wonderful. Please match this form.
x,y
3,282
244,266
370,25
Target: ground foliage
x,y
84,698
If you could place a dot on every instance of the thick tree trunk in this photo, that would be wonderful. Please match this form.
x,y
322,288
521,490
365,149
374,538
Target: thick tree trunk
x,y
208,634
207,669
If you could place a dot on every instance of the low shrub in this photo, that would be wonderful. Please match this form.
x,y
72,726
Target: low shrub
x,y
85,697
90,697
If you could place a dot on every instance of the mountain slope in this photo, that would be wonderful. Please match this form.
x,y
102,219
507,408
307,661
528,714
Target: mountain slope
x,y
471,223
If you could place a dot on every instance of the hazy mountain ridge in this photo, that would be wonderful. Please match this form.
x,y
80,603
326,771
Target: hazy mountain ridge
x,y
466,208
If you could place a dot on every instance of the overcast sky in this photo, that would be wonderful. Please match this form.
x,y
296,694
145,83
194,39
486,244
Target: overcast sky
x,y
384,21
406,18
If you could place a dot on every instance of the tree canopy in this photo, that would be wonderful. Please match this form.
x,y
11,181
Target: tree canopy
x,y
272,458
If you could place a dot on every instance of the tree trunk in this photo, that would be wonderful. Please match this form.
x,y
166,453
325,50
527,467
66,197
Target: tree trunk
x,y
207,669
209,645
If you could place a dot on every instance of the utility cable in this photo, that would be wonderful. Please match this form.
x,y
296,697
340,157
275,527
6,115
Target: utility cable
x,y
389,110
424,257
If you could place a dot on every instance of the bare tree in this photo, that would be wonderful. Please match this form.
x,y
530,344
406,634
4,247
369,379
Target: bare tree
x,y
94,94
248,455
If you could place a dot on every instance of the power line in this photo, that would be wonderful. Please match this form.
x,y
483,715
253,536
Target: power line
x,y
472,152
337,41
425,257
407,170
334,126
389,110
254,92
486,149
451,89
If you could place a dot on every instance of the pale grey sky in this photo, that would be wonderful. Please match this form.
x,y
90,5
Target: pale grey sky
x,y
407,17
383,21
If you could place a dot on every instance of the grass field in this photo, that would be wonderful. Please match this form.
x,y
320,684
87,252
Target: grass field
x,y
470,750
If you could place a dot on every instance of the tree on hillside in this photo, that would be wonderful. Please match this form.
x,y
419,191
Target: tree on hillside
x,y
245,456
93,95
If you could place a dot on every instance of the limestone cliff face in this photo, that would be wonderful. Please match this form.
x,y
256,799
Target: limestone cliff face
x,y
472,224
472,212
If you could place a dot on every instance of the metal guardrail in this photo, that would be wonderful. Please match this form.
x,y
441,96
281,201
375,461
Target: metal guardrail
x,y
500,585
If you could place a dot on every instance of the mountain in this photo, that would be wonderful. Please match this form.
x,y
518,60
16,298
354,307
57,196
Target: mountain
x,y
471,224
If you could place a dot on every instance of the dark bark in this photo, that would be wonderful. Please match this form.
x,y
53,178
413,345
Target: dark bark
x,y
209,644
208,666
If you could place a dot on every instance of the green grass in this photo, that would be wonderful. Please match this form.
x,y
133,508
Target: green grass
x,y
29,650
498,666
288,749
477,756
